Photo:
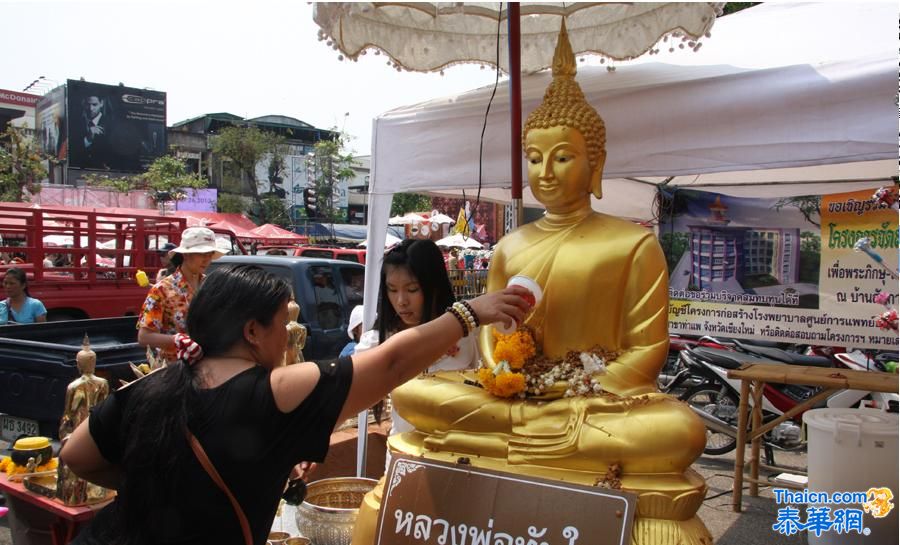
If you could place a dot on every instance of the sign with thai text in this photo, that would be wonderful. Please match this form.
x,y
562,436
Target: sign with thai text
x,y
815,270
426,501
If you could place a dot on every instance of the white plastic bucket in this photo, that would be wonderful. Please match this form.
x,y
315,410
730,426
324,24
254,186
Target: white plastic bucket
x,y
853,450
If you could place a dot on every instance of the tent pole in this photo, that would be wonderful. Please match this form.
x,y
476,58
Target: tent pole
x,y
515,114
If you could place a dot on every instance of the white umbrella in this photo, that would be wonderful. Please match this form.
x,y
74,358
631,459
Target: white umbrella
x,y
389,241
427,36
410,218
441,218
459,241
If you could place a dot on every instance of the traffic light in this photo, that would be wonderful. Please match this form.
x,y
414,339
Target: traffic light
x,y
309,200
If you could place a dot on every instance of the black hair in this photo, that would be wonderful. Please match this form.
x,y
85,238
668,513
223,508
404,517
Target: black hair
x,y
425,262
19,275
174,262
155,418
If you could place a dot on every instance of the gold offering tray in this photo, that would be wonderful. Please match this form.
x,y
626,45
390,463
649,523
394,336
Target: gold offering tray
x,y
20,477
42,482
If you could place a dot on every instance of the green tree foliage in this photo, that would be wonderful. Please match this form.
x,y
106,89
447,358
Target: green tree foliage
x,y
21,166
273,210
674,245
734,7
246,146
165,180
808,206
409,202
331,165
230,204
810,256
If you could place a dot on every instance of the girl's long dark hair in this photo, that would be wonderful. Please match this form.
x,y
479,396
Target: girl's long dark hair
x,y
426,263
19,275
156,416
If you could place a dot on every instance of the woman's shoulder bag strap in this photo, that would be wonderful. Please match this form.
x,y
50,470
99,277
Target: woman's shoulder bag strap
x,y
211,470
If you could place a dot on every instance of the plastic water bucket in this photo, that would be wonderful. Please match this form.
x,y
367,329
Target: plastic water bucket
x,y
854,450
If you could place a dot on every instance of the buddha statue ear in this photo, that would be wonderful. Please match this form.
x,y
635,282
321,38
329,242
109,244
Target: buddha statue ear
x,y
597,176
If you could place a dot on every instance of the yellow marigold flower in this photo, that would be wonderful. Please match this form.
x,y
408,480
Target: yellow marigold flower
x,y
509,384
509,351
13,469
486,378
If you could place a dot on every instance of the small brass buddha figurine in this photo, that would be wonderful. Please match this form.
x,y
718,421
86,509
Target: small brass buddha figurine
x,y
296,335
81,395
605,284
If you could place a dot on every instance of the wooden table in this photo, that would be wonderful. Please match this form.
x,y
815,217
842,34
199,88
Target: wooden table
x,y
757,375
65,519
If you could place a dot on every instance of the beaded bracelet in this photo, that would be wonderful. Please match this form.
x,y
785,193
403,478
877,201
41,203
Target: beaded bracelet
x,y
472,312
459,317
464,311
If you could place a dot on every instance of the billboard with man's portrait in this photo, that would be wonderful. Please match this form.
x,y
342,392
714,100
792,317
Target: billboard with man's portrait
x,y
113,127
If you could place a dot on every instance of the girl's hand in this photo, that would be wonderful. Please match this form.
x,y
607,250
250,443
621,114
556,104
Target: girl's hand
x,y
507,305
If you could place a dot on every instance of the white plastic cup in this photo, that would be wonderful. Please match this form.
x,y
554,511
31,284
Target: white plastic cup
x,y
528,284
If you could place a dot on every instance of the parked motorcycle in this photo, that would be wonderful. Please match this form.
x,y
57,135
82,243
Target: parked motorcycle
x,y
716,397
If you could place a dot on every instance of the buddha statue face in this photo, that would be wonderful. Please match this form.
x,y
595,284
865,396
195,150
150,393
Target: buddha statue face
x,y
559,170
564,140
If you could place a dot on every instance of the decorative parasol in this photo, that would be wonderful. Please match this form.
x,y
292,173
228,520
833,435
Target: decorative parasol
x,y
429,36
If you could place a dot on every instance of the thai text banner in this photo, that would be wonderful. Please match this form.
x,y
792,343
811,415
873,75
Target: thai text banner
x,y
781,269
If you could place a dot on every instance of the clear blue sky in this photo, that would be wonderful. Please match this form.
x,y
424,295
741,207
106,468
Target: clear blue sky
x,y
247,58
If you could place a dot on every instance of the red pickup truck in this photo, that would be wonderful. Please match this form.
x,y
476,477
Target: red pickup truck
x,y
95,255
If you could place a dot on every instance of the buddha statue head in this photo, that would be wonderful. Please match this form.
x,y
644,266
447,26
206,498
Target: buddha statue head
x,y
86,359
293,309
564,139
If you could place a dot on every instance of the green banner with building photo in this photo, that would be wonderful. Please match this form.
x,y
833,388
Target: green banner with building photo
x,y
764,268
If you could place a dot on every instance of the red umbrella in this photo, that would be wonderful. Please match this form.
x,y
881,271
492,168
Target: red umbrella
x,y
239,231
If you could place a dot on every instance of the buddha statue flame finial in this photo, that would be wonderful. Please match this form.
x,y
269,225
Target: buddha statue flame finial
x,y
564,104
563,58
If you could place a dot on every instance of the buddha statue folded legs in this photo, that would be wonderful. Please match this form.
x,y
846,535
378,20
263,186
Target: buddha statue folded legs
x,y
605,290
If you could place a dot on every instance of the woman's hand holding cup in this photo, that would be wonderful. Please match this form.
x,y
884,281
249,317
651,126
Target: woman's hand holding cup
x,y
508,306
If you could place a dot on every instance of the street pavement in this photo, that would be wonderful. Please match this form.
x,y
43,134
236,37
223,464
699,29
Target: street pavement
x,y
753,526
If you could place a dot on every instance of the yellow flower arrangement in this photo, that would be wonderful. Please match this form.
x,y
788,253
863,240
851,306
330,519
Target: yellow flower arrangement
x,y
515,348
521,371
7,465
511,352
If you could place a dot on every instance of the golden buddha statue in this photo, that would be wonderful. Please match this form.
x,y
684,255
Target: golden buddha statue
x,y
81,395
296,335
605,284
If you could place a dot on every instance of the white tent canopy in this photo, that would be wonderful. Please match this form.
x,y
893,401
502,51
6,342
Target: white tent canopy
x,y
779,88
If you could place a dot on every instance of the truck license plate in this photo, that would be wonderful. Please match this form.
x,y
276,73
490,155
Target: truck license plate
x,y
12,427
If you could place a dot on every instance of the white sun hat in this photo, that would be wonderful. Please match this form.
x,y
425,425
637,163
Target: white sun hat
x,y
198,240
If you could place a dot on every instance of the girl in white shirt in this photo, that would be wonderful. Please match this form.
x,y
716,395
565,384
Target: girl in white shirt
x,y
414,290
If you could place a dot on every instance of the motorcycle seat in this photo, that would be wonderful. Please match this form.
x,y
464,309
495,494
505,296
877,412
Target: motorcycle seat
x,y
723,358
783,356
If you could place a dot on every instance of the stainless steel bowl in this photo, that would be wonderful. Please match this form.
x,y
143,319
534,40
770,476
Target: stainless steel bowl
x,y
328,513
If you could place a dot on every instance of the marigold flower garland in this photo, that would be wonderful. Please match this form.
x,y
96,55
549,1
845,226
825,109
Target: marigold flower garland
x,y
10,468
521,371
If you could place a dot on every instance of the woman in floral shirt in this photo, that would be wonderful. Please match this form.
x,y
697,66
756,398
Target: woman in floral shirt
x,y
165,310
